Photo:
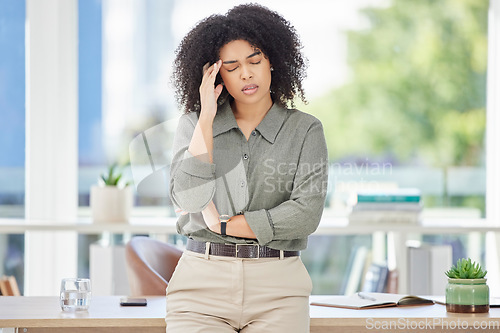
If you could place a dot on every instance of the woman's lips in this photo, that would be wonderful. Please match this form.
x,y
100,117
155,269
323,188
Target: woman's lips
x,y
250,89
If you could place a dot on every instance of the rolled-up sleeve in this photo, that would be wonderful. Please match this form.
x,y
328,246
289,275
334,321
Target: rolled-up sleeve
x,y
299,216
192,181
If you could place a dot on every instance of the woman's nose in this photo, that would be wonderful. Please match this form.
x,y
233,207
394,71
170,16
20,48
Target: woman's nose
x,y
246,73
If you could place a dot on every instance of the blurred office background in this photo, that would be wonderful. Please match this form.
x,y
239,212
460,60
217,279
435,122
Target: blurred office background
x,y
400,87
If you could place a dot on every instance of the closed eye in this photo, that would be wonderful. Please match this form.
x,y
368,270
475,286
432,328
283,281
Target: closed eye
x,y
253,63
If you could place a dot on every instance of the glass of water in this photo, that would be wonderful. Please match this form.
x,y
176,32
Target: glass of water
x,y
75,294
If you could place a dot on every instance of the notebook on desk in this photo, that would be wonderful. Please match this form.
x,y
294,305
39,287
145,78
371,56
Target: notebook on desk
x,y
365,300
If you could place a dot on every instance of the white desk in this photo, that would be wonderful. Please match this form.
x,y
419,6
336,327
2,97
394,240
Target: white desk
x,y
43,314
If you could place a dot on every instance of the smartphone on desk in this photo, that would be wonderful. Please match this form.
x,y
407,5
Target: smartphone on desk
x,y
133,301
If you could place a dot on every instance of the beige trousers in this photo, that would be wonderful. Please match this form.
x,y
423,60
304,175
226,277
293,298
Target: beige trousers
x,y
222,294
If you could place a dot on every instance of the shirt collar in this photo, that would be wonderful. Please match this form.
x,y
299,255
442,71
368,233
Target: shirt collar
x,y
272,122
269,126
224,119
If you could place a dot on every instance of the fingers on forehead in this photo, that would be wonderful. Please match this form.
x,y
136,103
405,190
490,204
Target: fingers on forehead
x,y
205,67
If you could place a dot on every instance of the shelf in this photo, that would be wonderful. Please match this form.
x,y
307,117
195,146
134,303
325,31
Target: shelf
x,y
334,226
142,225
166,225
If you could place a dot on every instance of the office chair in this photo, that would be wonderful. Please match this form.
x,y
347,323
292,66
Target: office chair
x,y
150,265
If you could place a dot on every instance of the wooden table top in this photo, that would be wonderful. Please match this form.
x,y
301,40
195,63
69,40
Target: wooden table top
x,y
105,311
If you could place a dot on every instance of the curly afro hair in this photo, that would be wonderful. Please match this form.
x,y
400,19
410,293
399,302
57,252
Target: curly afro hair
x,y
263,29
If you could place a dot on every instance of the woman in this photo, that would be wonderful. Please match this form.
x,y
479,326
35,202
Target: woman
x,y
249,177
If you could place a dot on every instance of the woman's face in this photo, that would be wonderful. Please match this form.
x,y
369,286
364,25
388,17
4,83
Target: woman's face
x,y
246,72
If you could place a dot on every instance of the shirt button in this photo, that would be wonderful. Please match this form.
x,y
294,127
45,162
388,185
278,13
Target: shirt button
x,y
242,184
245,156
240,213
254,133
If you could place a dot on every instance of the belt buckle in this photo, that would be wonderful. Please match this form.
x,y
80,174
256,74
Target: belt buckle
x,y
256,245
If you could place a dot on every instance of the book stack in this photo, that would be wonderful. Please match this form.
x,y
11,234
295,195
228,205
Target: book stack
x,y
397,206
376,279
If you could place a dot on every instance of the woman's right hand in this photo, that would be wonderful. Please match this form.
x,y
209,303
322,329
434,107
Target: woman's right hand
x,y
209,94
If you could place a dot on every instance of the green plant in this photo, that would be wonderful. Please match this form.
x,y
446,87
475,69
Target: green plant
x,y
113,176
466,269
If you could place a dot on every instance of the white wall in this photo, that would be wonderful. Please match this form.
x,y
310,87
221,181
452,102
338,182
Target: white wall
x,y
51,140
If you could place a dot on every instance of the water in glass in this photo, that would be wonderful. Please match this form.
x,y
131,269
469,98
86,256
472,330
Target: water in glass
x,y
75,294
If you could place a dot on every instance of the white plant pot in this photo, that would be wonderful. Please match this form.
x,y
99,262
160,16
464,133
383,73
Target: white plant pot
x,y
110,204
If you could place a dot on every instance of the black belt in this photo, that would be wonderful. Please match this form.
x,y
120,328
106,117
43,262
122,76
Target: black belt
x,y
238,250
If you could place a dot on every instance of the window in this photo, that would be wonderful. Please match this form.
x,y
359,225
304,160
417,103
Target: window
x,y
411,109
402,98
12,87
90,135
410,112
12,133
399,86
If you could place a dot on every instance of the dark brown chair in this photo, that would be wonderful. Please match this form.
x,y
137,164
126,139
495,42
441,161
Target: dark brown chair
x,y
150,265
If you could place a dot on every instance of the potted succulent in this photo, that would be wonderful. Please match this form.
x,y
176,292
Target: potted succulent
x,y
467,291
111,200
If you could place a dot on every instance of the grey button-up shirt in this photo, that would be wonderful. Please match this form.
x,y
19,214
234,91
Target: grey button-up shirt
x,y
277,179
